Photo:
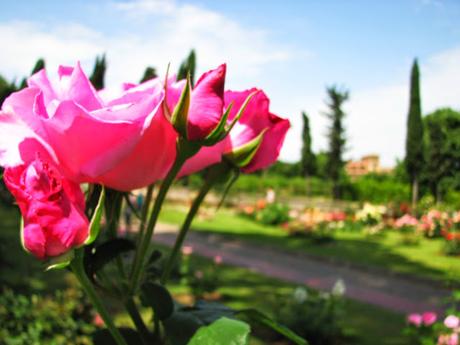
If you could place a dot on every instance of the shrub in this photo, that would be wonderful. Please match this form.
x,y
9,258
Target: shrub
x,y
60,319
314,316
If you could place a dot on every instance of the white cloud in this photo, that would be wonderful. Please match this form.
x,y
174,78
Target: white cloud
x,y
174,31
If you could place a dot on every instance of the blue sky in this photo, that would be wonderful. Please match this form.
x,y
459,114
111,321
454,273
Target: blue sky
x,y
292,49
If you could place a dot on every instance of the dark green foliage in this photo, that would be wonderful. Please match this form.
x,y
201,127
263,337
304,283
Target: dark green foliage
x,y
313,316
6,89
188,66
273,214
150,73
380,189
414,139
63,318
307,159
97,77
442,151
336,136
284,169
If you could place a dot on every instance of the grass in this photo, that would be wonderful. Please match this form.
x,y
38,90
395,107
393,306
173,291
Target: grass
x,y
423,260
242,289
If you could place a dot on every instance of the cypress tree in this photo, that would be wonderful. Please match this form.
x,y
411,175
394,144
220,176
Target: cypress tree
x,y
150,73
336,137
97,77
307,159
414,138
188,66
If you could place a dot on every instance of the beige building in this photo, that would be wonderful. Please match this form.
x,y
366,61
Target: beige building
x,y
366,165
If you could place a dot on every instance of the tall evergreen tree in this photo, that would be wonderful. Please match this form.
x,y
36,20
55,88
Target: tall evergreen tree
x,y
442,151
307,159
188,66
97,77
414,139
336,137
150,73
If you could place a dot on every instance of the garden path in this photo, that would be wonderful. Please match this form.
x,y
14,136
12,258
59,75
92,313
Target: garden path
x,y
396,293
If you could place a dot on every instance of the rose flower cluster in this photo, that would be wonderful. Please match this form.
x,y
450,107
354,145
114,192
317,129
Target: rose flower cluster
x,y
58,134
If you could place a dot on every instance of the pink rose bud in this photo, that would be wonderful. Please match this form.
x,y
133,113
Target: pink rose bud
x,y
452,321
119,139
429,318
52,208
206,103
255,141
415,319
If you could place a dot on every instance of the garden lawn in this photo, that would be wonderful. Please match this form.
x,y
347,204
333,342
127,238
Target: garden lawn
x,y
423,260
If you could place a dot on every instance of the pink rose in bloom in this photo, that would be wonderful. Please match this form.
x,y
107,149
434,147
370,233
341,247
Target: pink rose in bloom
x,y
52,208
123,142
429,318
256,118
415,319
452,321
206,104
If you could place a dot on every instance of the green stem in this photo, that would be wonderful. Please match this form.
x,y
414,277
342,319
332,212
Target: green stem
x,y
145,210
138,321
79,271
184,229
145,242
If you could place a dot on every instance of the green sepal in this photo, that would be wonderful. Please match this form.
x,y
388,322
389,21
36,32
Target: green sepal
x,y
179,116
60,262
166,109
95,224
219,132
222,130
244,154
241,111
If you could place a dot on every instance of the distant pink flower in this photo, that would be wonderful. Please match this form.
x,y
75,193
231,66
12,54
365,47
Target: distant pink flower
x,y
452,321
415,319
52,207
406,220
218,259
187,250
448,339
98,321
429,318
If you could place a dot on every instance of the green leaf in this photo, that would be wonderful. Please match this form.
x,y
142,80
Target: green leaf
x,y
106,252
95,224
157,297
180,114
222,332
190,319
243,155
103,337
59,262
186,322
256,316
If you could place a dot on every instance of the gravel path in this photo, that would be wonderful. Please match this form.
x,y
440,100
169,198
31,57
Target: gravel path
x,y
396,293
